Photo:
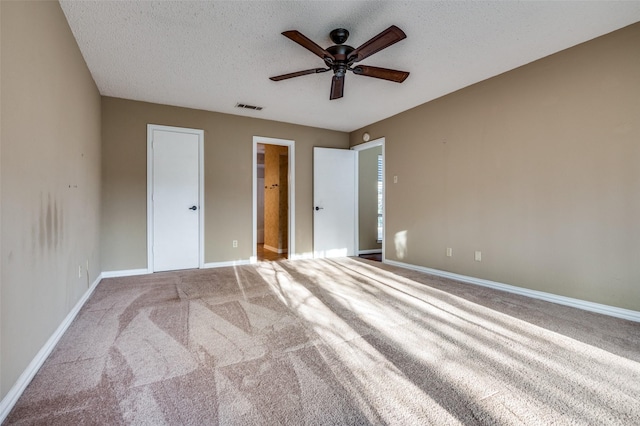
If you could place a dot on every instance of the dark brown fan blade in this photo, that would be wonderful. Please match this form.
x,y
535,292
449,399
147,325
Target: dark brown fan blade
x,y
337,87
383,73
385,39
303,41
298,74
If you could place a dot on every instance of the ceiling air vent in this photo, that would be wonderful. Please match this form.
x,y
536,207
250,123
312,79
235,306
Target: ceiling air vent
x,y
245,106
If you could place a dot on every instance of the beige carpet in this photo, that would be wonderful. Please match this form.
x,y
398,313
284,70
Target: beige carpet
x,y
322,342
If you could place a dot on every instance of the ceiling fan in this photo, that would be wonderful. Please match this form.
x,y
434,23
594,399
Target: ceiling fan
x,y
341,58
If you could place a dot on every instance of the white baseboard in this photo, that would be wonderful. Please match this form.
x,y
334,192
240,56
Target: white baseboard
x,y
125,273
300,256
612,311
228,263
10,399
370,251
133,272
274,249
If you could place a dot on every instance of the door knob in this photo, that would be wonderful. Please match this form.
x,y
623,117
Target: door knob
x,y
193,208
319,208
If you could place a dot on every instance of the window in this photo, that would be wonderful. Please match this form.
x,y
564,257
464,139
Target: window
x,y
380,201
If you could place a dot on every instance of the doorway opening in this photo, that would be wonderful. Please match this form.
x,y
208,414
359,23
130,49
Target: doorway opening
x,y
370,199
273,211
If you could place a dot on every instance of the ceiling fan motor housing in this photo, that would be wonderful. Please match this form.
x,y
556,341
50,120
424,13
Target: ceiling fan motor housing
x,y
341,64
339,35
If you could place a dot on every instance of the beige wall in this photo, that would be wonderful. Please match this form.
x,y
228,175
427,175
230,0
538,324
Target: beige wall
x,y
538,168
228,159
368,198
2,392
50,175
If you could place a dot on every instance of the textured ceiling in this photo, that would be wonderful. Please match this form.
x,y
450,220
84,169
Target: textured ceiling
x,y
213,55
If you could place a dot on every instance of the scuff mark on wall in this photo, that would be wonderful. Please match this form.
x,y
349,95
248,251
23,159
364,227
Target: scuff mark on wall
x,y
42,240
50,234
56,224
49,224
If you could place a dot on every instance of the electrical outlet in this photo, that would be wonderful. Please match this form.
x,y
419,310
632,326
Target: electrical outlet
x,y
235,243
478,256
395,179
449,252
79,271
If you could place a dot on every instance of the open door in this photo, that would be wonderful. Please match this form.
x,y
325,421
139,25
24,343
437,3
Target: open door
x,y
334,197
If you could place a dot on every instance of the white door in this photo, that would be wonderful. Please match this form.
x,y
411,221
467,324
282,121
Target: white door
x,y
175,199
334,197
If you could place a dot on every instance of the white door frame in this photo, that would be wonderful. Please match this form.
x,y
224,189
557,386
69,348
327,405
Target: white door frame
x,y
362,147
291,248
200,134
